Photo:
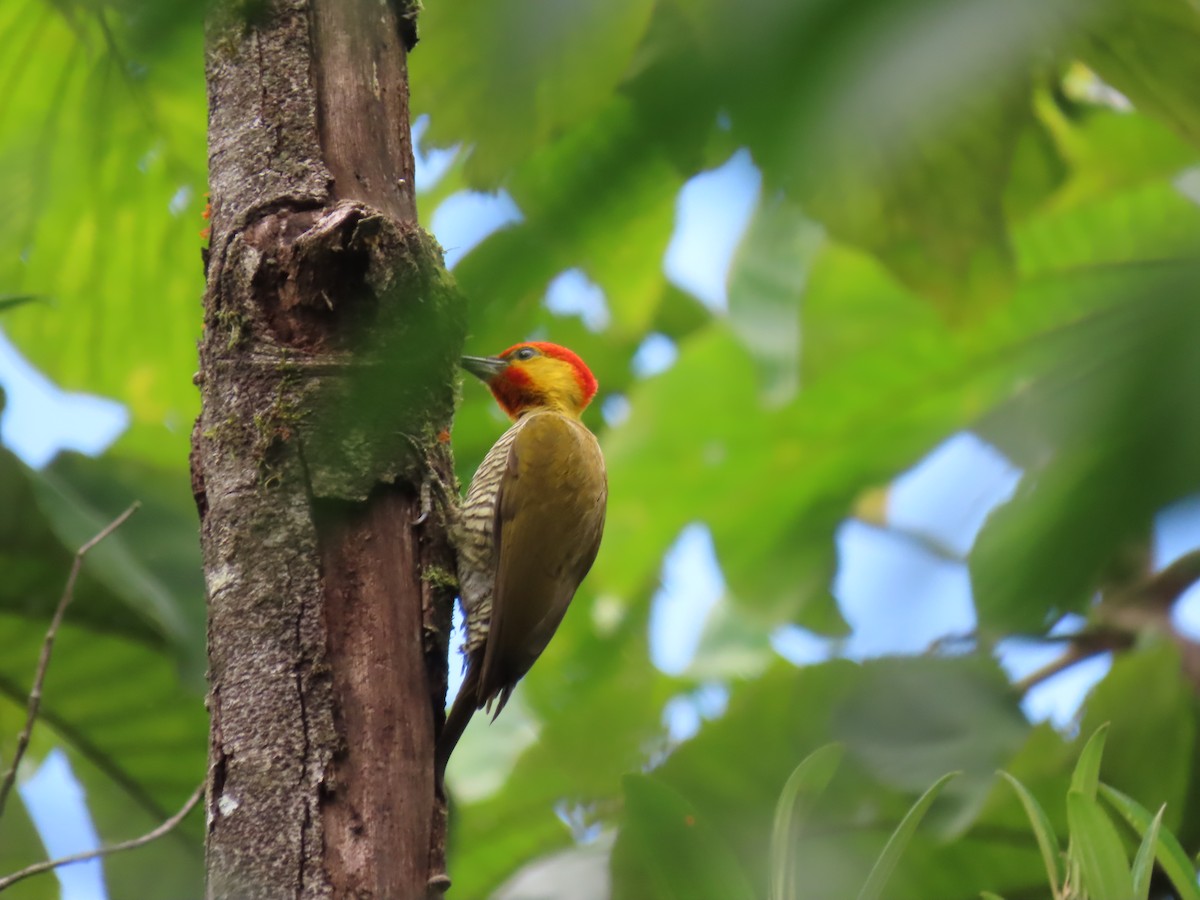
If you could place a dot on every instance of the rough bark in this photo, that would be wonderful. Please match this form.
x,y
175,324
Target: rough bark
x,y
327,370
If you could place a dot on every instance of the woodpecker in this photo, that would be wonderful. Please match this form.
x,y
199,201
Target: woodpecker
x,y
530,526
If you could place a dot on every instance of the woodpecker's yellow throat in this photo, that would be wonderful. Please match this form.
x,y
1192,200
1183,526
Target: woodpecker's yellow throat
x,y
530,526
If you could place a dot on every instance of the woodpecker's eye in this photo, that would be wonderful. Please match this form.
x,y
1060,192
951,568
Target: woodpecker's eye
x,y
525,353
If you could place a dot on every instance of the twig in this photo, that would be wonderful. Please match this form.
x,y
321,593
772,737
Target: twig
x,y
37,868
1124,614
1083,647
35,692
1167,586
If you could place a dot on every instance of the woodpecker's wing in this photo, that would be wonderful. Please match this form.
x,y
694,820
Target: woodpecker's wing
x,y
549,519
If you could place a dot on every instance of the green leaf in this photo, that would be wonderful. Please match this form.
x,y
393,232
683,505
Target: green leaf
x,y
729,433
143,581
1084,428
878,877
1097,849
1149,50
854,312
803,786
1171,856
1087,770
932,212
1143,862
1150,706
505,81
734,771
102,171
1151,220
115,561
12,301
766,280
20,844
1038,169
906,155
115,702
600,198
1043,831
1106,152
672,848
134,735
911,720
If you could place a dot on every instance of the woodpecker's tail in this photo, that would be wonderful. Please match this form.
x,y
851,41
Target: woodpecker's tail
x,y
460,714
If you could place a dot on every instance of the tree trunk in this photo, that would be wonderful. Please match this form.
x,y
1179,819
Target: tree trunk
x,y
331,338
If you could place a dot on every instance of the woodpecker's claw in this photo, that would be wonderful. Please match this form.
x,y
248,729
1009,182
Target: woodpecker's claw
x,y
432,460
426,503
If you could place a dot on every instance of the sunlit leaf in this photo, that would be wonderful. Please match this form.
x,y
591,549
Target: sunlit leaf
x,y
102,180
1148,50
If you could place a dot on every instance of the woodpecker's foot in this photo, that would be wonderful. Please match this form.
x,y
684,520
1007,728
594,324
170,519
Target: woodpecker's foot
x,y
426,503
438,494
439,485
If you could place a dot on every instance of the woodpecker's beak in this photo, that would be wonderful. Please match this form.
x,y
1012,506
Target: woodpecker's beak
x,y
485,368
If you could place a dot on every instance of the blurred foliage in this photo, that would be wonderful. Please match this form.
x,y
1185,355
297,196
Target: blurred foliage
x,y
1095,864
973,215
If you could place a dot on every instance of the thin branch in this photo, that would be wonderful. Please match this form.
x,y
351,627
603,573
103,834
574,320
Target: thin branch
x,y
39,678
37,868
1167,586
1147,605
1083,647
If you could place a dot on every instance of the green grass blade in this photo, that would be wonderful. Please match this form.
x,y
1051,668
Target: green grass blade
x,y
1169,853
894,849
1087,770
1044,832
1096,847
807,781
1143,863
